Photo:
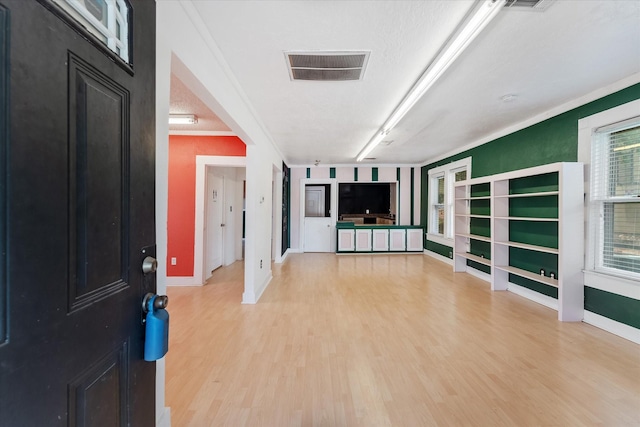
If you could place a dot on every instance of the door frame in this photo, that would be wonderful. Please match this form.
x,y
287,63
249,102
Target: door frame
x,y
334,208
210,220
201,176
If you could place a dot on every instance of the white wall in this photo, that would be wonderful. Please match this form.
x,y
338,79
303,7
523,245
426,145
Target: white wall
x,y
346,174
185,47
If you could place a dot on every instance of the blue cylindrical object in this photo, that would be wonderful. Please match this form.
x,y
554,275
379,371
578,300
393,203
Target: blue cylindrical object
x,y
156,342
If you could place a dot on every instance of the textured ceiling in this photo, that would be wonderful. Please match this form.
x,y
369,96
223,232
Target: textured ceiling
x,y
184,101
544,58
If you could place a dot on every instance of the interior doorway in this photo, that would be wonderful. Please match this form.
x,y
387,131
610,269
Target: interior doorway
x,y
319,216
214,236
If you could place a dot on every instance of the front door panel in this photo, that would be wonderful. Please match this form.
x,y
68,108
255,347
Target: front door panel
x,y
80,203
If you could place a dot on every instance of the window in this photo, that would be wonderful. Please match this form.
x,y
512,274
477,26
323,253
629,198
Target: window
x,y
108,20
441,182
614,205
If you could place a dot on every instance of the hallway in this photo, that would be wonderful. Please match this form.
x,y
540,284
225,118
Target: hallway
x,y
383,340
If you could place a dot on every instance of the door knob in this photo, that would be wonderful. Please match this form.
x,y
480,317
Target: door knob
x,y
153,301
149,265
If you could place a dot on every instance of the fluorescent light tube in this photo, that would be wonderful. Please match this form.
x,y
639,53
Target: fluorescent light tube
x,y
473,25
371,145
182,119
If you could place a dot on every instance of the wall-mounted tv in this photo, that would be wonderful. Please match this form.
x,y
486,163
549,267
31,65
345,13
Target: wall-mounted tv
x,y
357,198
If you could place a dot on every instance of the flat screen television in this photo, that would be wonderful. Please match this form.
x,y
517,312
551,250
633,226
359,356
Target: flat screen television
x,y
356,198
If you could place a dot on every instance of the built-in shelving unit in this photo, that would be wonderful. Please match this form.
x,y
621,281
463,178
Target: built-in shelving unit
x,y
525,229
353,238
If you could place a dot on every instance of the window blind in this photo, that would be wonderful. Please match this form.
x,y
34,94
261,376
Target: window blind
x,y
615,195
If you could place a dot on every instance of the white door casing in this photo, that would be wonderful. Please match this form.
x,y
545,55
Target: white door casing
x,y
214,224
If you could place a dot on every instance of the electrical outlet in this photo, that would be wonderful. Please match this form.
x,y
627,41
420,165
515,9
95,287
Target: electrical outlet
x,y
174,260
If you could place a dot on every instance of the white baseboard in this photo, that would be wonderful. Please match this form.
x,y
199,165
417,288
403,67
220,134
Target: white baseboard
x,y
438,257
620,329
182,281
295,251
533,296
283,257
479,274
164,420
253,297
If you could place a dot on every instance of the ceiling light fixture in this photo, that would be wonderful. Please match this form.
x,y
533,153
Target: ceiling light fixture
x,y
183,119
473,25
509,98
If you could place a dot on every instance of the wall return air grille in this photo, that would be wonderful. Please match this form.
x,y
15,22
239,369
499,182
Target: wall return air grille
x,y
326,66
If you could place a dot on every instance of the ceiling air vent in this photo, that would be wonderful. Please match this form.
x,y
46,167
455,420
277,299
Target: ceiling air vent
x,y
326,66
538,5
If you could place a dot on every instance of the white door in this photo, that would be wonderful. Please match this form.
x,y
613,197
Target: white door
x,y
317,226
214,223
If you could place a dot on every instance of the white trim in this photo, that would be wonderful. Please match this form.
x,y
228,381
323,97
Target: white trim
x,y
620,329
281,258
533,296
447,171
202,133
586,128
182,281
568,106
253,297
438,257
201,171
440,240
165,418
614,284
358,165
479,274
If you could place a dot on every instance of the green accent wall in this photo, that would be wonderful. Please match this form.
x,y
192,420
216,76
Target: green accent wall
x,y
332,172
549,141
552,140
398,195
412,192
355,174
617,307
308,172
374,174
443,250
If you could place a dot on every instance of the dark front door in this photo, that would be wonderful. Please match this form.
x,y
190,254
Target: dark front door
x,y
77,211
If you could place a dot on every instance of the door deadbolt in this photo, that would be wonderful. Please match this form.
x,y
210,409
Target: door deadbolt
x,y
149,265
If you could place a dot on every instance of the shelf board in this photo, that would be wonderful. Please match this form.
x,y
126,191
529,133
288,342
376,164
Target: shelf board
x,y
524,218
527,246
474,216
474,198
544,193
474,237
528,275
475,258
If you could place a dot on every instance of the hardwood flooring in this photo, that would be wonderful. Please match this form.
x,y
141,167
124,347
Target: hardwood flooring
x,y
388,340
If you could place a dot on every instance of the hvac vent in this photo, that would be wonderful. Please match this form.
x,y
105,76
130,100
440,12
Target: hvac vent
x,y
326,66
537,5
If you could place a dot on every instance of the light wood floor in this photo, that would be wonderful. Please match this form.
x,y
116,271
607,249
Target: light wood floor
x,y
388,341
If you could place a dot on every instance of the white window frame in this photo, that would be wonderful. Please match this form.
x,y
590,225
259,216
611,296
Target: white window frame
x,y
596,276
448,171
106,33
